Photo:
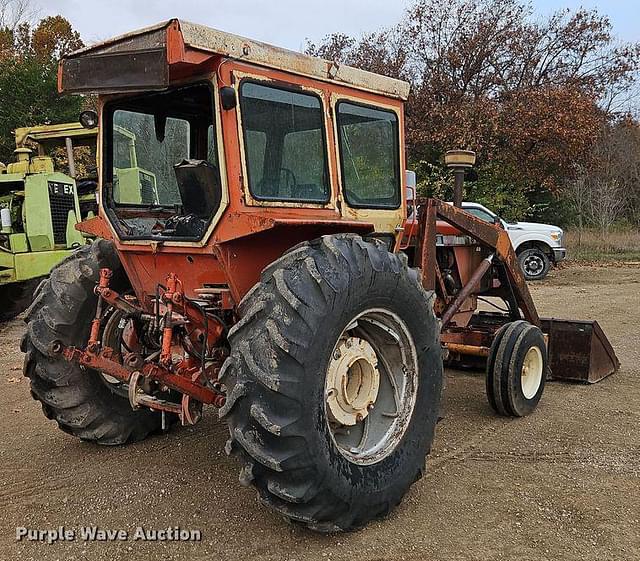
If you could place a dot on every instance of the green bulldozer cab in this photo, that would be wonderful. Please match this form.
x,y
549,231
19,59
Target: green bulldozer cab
x,y
131,185
72,149
41,205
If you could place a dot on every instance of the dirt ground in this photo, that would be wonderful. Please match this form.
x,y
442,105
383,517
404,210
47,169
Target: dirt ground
x,y
561,484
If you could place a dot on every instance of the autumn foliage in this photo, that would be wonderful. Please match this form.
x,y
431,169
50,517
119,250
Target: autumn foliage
x,y
530,97
539,100
28,76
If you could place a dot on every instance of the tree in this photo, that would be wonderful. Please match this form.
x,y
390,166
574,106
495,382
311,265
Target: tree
x,y
28,78
15,12
53,38
528,96
608,185
626,135
578,195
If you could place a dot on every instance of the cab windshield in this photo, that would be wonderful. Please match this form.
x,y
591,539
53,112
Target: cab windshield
x,y
161,166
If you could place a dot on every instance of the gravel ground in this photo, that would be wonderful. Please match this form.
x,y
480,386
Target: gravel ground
x,y
561,484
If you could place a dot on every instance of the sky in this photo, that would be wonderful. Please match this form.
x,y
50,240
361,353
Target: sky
x,y
286,23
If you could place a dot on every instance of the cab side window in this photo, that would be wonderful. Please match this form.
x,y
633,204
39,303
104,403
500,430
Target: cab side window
x,y
369,155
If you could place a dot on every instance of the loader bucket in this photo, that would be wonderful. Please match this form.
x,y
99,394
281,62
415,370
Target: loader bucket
x,y
579,351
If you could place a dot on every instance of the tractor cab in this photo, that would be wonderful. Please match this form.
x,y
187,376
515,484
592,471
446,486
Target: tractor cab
x,y
251,148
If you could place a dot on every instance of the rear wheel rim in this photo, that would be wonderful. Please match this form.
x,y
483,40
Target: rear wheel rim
x,y
531,375
113,338
370,386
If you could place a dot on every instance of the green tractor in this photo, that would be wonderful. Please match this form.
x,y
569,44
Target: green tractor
x,y
131,184
39,209
39,206
72,147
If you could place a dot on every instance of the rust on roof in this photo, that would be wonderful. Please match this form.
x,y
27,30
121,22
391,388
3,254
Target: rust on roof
x,y
169,40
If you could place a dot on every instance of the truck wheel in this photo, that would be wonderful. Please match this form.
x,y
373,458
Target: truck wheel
x,y
333,382
17,297
535,263
81,400
516,369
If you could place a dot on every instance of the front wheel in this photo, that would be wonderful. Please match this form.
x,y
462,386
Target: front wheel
x,y
535,263
334,382
516,369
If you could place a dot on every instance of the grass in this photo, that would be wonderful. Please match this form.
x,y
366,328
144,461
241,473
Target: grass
x,y
619,245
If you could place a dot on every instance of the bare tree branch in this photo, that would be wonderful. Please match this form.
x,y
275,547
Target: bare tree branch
x,y
16,12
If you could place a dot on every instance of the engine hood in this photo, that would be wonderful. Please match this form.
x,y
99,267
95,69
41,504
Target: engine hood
x,y
534,227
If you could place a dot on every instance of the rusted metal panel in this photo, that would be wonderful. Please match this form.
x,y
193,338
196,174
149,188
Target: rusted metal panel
x,y
195,37
497,238
436,217
579,351
467,290
96,226
427,246
150,37
244,257
240,48
469,224
115,72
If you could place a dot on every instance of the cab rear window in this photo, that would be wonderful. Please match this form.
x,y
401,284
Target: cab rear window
x,y
284,141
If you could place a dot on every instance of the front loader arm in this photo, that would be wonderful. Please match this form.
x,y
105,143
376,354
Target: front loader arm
x,y
490,236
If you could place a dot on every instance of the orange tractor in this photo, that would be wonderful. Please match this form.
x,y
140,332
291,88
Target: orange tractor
x,y
261,273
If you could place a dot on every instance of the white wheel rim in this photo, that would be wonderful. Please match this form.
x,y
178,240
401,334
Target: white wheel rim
x,y
376,354
531,375
352,381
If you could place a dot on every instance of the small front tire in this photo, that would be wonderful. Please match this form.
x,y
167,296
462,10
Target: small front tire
x,y
516,369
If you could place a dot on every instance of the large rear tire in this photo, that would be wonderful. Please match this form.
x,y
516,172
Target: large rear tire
x,y
338,312
80,400
17,297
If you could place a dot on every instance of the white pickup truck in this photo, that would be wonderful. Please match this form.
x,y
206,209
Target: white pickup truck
x,y
538,246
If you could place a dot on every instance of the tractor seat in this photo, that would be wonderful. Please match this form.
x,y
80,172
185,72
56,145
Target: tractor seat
x,y
200,188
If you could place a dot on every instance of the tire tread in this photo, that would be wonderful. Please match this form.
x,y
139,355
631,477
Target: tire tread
x,y
269,345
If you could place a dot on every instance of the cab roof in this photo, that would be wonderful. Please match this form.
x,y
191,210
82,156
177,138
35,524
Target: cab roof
x,y
146,59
